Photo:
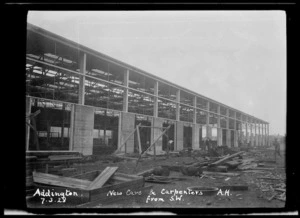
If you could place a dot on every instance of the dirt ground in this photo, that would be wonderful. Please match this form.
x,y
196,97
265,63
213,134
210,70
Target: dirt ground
x,y
158,197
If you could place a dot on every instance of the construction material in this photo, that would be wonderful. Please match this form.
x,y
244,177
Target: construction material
x,y
139,139
145,173
226,158
221,174
102,178
61,181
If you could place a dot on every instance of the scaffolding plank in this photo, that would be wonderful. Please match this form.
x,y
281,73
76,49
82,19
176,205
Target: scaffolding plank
x,y
101,179
49,179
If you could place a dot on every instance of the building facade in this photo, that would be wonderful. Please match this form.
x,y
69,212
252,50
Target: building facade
x,y
89,102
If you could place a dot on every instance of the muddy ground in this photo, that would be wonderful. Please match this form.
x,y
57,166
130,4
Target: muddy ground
x,y
251,198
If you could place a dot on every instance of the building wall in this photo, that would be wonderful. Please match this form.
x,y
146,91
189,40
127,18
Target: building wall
x,y
83,129
127,126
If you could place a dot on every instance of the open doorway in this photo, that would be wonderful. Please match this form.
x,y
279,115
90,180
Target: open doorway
x,y
52,125
105,133
169,135
145,132
187,136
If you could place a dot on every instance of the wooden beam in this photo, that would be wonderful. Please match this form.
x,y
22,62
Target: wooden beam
x,y
100,180
61,181
139,139
226,158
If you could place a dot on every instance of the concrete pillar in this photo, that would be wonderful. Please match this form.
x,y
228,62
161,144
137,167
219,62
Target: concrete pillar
x,y
235,139
28,112
268,135
125,93
247,133
155,133
179,136
155,103
178,105
83,129
228,138
82,68
127,126
219,130
219,136
251,134
71,131
195,111
255,134
195,136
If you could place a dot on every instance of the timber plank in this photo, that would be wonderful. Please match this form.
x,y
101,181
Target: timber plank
x,y
226,158
102,178
68,182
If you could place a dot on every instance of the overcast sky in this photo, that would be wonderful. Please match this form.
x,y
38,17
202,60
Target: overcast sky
x,y
235,57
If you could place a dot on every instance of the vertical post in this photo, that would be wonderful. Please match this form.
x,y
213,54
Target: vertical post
x,y
178,105
268,135
82,67
125,93
219,130
71,130
155,105
195,111
235,141
207,121
139,139
28,112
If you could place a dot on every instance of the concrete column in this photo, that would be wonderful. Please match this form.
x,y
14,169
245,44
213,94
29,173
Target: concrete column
x,y
247,133
179,136
155,104
219,136
195,136
155,133
71,133
259,134
125,93
195,111
178,105
208,128
82,67
83,129
235,140
228,138
219,130
127,126
268,134
255,134
28,112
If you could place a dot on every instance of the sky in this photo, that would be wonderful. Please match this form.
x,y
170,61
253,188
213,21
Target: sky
x,y
235,57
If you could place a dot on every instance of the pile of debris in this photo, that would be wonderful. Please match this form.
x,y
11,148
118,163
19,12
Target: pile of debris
x,y
272,187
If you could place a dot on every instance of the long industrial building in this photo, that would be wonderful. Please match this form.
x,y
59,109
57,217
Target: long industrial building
x,y
78,99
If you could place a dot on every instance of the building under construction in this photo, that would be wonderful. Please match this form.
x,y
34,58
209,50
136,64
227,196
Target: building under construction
x,y
78,99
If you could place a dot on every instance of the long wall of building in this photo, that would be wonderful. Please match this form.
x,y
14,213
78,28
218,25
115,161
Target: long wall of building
x,y
92,103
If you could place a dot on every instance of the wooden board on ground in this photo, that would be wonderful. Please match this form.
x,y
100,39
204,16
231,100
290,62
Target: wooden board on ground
x,y
61,181
220,174
226,158
100,180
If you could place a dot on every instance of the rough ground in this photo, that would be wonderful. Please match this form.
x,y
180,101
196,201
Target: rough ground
x,y
251,198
